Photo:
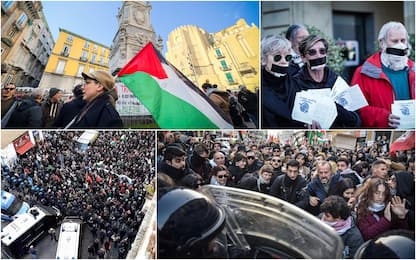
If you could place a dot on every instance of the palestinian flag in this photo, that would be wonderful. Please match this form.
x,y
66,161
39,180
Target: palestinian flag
x,y
403,143
173,100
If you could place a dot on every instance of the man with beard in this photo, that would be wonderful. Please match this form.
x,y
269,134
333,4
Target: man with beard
x,y
173,163
320,187
289,187
386,76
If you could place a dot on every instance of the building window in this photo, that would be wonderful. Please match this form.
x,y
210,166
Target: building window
x,y
224,65
91,70
69,38
103,51
229,77
95,47
12,33
219,53
87,44
22,19
80,69
101,60
65,51
61,66
8,4
84,56
93,58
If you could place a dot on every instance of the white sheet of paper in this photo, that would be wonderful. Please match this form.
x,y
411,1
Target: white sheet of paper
x,y
311,106
352,98
405,109
339,87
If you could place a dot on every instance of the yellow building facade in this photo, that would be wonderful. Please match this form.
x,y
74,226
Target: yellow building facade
x,y
228,58
72,55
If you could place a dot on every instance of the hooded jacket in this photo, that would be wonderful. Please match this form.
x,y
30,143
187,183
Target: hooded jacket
x,y
27,114
378,91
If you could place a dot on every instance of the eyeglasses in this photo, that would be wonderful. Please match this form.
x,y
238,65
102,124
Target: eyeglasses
x,y
222,176
250,157
9,89
313,52
278,57
276,160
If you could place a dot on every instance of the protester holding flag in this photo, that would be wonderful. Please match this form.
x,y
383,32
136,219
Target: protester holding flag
x,y
99,111
173,100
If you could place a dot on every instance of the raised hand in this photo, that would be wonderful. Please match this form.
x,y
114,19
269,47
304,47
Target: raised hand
x,y
398,207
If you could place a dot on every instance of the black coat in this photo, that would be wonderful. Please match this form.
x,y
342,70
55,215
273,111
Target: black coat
x,y
69,111
304,81
290,191
27,114
277,98
99,113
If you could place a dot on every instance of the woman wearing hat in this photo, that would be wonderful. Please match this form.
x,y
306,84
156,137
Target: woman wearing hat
x,y
99,111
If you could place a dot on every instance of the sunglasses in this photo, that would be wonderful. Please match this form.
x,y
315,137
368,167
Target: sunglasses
x,y
276,160
251,157
9,89
277,58
222,176
198,184
313,52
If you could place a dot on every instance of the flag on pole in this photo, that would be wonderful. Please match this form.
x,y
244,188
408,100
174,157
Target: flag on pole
x,y
172,99
403,143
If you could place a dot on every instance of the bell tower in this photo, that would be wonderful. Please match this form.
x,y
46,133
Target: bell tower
x,y
134,32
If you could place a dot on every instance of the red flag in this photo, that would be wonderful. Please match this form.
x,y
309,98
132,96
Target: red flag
x,y
23,143
98,178
404,142
88,178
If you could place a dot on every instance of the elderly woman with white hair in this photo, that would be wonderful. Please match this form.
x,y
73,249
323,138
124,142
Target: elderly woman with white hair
x,y
277,93
386,76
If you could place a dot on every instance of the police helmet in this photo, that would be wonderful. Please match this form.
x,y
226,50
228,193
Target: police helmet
x,y
387,247
186,222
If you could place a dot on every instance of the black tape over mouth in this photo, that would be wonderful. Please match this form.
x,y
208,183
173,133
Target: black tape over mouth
x,y
317,62
279,69
397,52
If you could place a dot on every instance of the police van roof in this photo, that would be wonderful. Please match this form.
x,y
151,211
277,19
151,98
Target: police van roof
x,y
68,241
20,225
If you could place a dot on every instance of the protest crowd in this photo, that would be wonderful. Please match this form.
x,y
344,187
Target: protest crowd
x,y
362,193
104,184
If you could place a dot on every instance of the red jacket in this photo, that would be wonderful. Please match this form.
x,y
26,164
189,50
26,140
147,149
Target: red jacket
x,y
378,91
370,227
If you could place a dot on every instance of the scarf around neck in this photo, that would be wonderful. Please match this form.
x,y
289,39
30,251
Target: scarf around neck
x,y
340,226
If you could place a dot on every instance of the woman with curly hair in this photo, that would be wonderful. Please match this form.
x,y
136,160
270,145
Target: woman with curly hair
x,y
377,212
